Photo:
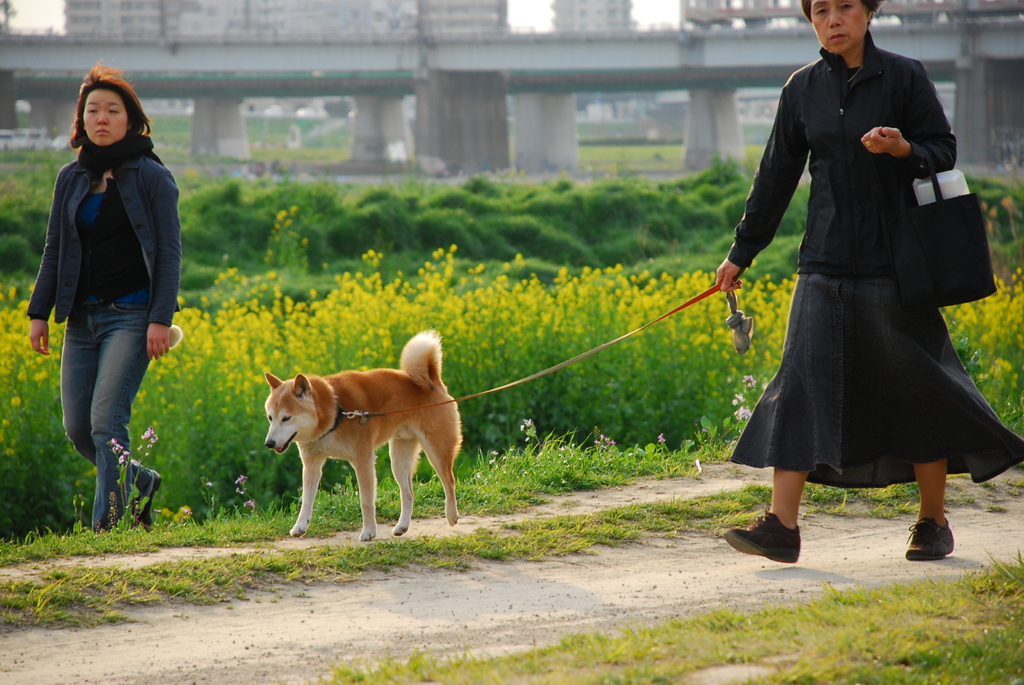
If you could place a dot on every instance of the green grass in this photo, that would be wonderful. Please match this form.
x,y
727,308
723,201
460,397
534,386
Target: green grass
x,y
967,632
496,484
625,159
970,631
266,136
656,158
83,595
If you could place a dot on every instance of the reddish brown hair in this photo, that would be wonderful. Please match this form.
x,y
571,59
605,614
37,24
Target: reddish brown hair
x,y
108,78
871,6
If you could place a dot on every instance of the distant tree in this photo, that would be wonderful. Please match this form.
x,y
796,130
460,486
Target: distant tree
x,y
6,14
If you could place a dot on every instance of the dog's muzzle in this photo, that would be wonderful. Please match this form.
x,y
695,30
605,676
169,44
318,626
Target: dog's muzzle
x,y
272,444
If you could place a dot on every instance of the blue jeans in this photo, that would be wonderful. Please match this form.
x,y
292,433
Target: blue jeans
x,y
104,361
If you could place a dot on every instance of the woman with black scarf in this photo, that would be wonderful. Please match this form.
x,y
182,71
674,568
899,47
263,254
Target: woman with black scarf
x,y
110,268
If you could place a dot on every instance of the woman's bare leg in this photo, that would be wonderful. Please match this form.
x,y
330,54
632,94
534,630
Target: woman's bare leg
x,y
931,481
787,489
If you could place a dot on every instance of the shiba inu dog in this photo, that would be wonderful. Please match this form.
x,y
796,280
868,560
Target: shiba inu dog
x,y
317,414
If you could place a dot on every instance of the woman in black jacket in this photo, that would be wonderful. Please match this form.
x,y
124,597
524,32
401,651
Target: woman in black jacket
x,y
867,394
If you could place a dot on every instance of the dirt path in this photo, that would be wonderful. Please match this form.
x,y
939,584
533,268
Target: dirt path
x,y
298,632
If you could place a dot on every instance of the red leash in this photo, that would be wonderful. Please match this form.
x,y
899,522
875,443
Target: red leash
x,y
364,415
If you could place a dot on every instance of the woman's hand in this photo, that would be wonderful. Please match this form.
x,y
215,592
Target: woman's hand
x,y
39,335
884,139
728,275
159,338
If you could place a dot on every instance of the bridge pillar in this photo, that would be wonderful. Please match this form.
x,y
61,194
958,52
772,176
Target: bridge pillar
x,y
218,128
970,117
989,111
546,137
712,128
54,115
8,115
380,132
462,121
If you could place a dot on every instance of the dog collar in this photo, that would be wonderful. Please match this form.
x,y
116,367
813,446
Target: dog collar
x,y
363,417
338,416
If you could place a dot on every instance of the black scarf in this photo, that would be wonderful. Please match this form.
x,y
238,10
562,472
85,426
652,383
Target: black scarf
x,y
98,159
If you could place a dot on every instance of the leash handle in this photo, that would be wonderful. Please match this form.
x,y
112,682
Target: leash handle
x,y
364,415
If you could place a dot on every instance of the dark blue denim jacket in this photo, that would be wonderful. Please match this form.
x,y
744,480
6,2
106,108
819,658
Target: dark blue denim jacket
x,y
150,198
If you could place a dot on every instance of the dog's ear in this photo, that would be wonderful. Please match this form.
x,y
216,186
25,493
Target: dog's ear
x,y
273,380
301,386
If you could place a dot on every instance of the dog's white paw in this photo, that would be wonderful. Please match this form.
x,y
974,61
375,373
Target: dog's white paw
x,y
367,535
298,531
400,530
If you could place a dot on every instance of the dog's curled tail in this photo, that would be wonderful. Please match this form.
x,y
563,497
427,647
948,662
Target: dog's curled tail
x,y
421,359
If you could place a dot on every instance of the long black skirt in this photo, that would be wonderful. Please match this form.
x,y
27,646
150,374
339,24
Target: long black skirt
x,y
866,390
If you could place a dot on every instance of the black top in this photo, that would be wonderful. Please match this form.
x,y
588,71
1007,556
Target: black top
x,y
823,115
112,261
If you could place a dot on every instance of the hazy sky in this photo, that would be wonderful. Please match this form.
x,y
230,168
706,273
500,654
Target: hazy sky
x,y
44,14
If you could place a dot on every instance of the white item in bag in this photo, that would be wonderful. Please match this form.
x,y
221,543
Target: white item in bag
x,y
951,183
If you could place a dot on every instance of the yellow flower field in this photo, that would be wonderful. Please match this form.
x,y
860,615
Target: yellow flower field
x,y
205,398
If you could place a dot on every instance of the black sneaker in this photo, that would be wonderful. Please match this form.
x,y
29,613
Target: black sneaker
x,y
767,537
145,515
929,541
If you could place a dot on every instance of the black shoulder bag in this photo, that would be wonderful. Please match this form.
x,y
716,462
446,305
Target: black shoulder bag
x,y
940,252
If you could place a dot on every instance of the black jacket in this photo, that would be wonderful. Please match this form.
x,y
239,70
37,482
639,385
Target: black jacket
x,y
823,116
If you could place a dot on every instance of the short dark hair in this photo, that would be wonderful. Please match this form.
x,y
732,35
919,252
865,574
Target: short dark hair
x,y
870,5
108,78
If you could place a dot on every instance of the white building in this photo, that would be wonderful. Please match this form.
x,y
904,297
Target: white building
x,y
121,17
464,16
328,16
239,17
225,17
393,15
593,15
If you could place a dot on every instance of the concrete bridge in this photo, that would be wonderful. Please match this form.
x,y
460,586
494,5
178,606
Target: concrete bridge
x,y
461,83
